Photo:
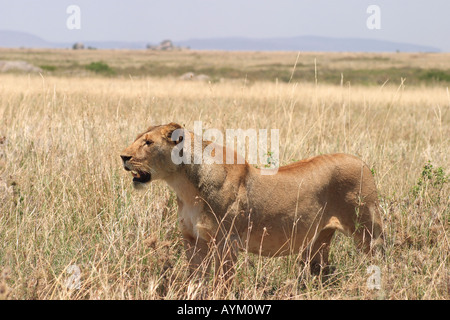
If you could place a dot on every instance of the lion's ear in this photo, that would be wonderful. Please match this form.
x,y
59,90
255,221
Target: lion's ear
x,y
173,125
169,131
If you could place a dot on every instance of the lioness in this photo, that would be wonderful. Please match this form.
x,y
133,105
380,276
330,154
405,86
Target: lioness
x,y
232,207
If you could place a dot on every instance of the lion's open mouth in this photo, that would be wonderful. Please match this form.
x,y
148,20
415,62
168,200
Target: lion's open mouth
x,y
139,176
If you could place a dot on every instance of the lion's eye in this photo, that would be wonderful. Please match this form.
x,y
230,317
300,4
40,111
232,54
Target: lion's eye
x,y
148,142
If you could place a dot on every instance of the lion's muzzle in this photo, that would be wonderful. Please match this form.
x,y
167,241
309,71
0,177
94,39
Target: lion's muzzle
x,y
138,175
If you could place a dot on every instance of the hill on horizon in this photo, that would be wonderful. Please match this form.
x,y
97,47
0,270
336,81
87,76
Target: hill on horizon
x,y
303,43
17,39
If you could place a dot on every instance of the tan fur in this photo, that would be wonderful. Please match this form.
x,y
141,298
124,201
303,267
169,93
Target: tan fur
x,y
227,207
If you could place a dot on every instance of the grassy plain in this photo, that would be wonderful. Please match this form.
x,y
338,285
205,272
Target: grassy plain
x,y
65,199
332,68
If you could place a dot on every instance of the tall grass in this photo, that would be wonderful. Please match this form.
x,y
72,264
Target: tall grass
x,y
65,199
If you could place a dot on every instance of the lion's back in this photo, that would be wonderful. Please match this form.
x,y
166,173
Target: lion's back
x,y
337,173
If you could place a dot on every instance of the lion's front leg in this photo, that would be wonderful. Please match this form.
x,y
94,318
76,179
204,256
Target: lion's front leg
x,y
197,254
226,254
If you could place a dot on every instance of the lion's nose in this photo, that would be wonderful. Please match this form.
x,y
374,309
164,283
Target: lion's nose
x,y
125,158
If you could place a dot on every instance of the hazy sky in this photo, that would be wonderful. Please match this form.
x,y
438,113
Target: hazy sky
x,y
424,22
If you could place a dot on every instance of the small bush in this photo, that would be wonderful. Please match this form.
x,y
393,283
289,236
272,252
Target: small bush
x,y
100,67
430,183
436,75
48,68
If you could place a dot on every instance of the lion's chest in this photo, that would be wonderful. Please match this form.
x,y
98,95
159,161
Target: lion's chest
x,y
194,221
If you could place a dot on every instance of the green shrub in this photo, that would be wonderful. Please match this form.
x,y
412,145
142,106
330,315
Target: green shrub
x,y
100,67
436,75
48,68
430,183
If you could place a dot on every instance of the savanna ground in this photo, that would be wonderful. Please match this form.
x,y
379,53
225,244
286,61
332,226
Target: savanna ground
x,y
66,204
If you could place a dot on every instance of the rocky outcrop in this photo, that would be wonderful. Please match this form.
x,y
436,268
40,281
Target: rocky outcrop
x,y
194,77
165,45
17,65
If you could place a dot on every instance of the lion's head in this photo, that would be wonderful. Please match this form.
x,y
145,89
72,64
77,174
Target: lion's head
x,y
148,157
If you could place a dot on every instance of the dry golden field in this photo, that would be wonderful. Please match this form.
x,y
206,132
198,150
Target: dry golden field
x,y
66,204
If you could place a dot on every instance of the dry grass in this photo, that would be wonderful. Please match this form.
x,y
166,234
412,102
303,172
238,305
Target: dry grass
x,y
65,199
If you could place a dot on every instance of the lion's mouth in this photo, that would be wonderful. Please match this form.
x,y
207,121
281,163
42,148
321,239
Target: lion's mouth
x,y
140,176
